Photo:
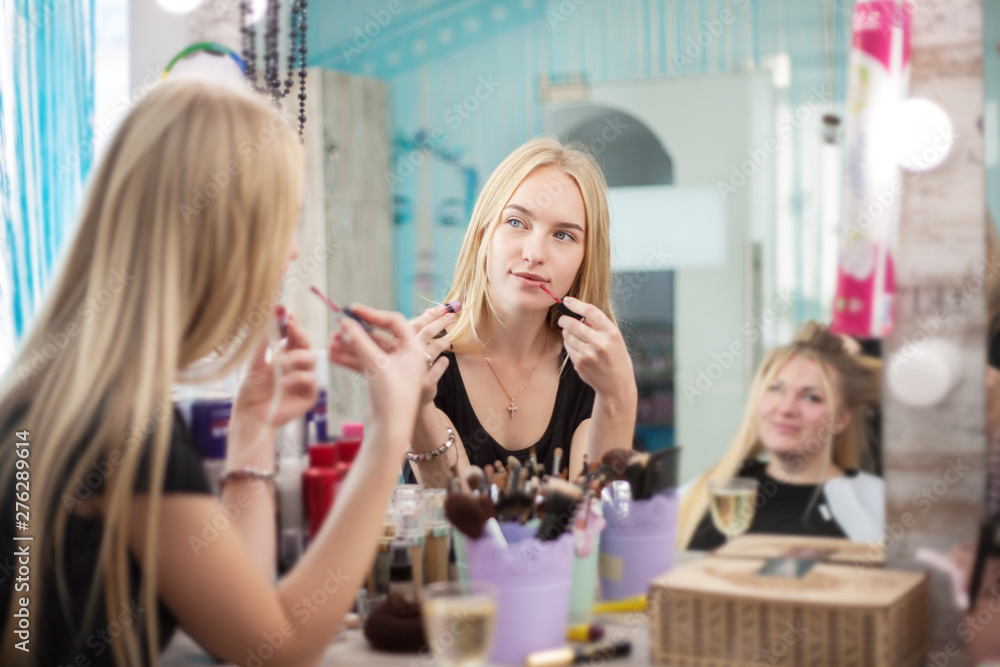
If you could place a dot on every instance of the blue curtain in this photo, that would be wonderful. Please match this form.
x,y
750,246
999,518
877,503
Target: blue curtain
x,y
46,145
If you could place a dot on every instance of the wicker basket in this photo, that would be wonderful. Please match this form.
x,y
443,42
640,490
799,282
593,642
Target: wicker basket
x,y
719,612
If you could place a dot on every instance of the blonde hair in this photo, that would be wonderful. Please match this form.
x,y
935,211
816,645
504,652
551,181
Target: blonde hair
x,y
181,241
593,283
858,386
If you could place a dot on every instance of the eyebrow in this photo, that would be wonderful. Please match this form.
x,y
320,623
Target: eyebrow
x,y
530,214
805,388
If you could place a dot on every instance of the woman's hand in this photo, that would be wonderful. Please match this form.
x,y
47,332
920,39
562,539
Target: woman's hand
x,y
598,350
428,325
298,386
394,363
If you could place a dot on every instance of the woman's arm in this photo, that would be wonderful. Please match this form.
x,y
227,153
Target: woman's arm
x,y
252,429
601,359
212,584
430,433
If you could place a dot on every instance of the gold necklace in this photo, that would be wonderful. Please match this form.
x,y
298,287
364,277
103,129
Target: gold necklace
x,y
513,407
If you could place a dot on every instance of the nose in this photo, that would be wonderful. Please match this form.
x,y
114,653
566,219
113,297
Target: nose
x,y
787,403
533,248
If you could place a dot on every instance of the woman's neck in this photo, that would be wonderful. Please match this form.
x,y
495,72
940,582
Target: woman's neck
x,y
518,339
796,469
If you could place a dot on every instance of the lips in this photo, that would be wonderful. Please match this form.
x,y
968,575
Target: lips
x,y
533,277
785,429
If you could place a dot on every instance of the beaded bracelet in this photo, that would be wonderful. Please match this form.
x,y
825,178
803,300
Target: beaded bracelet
x,y
247,472
434,453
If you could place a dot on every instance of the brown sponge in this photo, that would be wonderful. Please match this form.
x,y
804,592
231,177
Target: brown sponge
x,y
395,626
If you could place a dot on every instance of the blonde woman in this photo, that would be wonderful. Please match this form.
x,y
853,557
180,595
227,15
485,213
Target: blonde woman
x,y
804,438
182,243
521,376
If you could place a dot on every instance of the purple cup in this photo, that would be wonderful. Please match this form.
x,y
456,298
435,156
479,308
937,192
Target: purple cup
x,y
534,580
637,544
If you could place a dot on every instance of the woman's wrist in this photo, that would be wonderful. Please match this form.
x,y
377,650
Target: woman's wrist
x,y
249,442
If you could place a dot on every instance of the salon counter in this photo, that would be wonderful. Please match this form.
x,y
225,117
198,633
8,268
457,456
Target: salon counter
x,y
351,648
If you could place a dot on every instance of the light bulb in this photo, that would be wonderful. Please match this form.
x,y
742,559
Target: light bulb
x,y
922,134
178,6
922,373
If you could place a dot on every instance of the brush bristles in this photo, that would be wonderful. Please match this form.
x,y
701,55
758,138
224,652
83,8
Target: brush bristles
x,y
557,485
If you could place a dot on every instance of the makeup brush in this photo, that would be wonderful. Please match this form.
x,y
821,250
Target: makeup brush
x,y
475,477
342,311
635,473
514,469
617,459
557,460
468,513
560,503
661,471
563,308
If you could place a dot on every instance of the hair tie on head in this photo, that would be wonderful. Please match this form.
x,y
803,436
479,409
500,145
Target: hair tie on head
x,y
208,47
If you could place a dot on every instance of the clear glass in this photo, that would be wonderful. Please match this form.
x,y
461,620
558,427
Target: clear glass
x,y
458,621
732,503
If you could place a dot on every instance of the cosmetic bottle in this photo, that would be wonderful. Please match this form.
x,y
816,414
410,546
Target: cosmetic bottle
x,y
410,531
401,570
291,513
438,535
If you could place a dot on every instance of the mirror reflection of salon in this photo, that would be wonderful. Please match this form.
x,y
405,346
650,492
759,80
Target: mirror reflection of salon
x,y
804,438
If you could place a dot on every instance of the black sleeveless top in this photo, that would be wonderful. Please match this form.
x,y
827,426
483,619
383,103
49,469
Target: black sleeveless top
x,y
58,638
782,509
574,403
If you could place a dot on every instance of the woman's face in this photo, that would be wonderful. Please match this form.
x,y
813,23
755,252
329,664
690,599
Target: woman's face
x,y
793,416
541,239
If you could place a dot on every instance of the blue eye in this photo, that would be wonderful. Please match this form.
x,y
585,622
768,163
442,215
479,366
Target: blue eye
x,y
566,236
514,222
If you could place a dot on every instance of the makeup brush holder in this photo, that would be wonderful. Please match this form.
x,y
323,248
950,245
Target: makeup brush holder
x,y
637,544
534,580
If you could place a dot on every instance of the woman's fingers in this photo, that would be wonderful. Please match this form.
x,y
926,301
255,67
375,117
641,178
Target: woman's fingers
x,y
297,337
297,359
357,341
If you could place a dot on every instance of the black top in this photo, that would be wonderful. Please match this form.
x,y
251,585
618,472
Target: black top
x,y
574,403
781,510
57,639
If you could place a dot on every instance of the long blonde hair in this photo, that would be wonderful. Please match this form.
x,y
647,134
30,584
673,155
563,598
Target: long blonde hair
x,y
182,240
858,387
593,283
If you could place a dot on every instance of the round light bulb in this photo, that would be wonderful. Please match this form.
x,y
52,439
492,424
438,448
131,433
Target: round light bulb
x,y
922,134
257,8
178,6
922,374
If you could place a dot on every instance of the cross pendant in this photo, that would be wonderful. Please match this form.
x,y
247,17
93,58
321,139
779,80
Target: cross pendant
x,y
512,408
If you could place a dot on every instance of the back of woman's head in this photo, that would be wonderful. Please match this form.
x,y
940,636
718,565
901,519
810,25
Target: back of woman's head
x,y
592,284
178,252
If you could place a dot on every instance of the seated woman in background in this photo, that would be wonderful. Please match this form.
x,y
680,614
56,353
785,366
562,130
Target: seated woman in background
x,y
803,437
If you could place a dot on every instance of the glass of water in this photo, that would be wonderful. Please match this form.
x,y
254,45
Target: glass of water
x,y
458,621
